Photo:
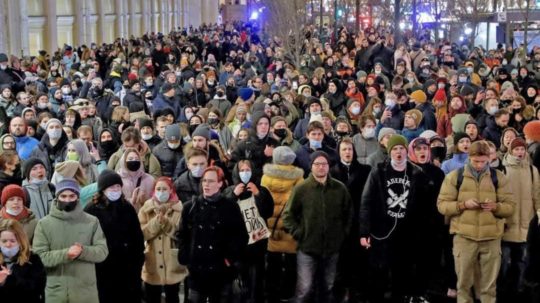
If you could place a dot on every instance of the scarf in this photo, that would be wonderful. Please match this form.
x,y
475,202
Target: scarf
x,y
19,217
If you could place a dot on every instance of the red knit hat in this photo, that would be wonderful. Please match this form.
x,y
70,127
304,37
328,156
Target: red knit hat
x,y
440,95
532,130
11,191
517,142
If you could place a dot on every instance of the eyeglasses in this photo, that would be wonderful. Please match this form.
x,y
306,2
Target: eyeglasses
x,y
320,164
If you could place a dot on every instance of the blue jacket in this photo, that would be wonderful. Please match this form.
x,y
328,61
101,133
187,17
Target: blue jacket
x,y
162,102
25,145
457,161
412,134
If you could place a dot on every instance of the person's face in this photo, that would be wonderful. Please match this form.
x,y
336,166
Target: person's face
x,y
162,186
263,126
456,103
199,142
400,69
241,116
70,120
372,92
67,196
6,93
421,152
464,144
346,152
83,111
24,99
508,137
471,130
479,162
29,115
409,122
490,94
398,153
86,137
38,172
161,126
71,148
516,105
106,136
146,130
113,188
519,152
8,143
15,204
502,121
342,127
210,184
243,135
8,239
320,167
17,127
315,134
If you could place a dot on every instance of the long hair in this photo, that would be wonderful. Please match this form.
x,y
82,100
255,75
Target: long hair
x,y
24,245
82,150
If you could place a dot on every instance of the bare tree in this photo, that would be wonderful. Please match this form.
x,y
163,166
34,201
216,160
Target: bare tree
x,y
286,20
474,12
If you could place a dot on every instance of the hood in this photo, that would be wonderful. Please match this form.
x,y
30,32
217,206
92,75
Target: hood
x,y
125,173
66,216
289,172
61,143
509,160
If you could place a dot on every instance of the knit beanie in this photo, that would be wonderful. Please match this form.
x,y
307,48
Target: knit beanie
x,y
416,115
302,87
532,131
466,90
517,142
143,122
172,132
418,96
428,134
108,178
283,155
458,122
68,184
385,131
318,154
396,140
245,93
51,121
459,136
10,191
203,130
29,164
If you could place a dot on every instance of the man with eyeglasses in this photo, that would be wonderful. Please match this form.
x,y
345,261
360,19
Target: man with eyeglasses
x,y
25,144
318,215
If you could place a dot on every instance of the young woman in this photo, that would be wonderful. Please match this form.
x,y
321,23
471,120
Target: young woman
x,y
459,158
160,219
22,274
211,248
138,185
77,150
119,276
13,207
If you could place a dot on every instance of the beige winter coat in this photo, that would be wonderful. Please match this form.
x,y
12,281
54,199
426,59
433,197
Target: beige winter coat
x,y
526,194
161,265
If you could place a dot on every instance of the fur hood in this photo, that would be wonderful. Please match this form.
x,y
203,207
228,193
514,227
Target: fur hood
x,y
288,172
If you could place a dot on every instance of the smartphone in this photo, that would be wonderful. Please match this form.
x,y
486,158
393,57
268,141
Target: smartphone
x,y
294,85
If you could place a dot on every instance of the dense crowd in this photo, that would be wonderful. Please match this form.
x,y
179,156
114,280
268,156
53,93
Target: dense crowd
x,y
370,171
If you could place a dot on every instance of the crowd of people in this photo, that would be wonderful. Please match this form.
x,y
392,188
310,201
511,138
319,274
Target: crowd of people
x,y
209,162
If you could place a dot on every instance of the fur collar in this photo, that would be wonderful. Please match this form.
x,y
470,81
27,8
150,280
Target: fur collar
x,y
283,171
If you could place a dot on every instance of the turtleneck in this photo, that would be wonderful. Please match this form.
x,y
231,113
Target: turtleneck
x,y
213,198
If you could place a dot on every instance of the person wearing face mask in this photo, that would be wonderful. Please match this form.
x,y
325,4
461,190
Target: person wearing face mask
x,y
365,142
217,126
53,145
313,107
38,189
525,181
315,136
119,276
22,274
352,112
392,115
169,151
220,101
160,218
393,213
137,185
256,206
13,201
187,184
211,249
70,243
336,98
148,133
283,134
107,144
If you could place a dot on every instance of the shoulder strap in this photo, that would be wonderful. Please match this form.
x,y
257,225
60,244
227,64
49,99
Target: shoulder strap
x,y
27,195
494,177
459,177
277,220
532,173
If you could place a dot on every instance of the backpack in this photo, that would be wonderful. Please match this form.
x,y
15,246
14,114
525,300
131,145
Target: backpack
x,y
492,171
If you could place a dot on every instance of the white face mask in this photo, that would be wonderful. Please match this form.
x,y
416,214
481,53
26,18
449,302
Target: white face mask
x,y
390,102
173,145
189,115
146,136
66,90
162,196
13,212
492,110
369,132
245,176
54,134
197,171
355,110
10,252
113,196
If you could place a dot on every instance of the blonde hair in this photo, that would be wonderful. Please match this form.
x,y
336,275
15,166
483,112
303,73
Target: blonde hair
x,y
24,245
118,113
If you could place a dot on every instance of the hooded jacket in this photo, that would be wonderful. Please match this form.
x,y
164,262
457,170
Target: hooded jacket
x,y
149,163
70,280
131,179
167,157
525,184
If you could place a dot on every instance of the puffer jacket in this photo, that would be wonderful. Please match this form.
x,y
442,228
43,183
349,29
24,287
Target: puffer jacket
x,y
476,224
280,181
29,224
161,265
526,194
70,280
167,157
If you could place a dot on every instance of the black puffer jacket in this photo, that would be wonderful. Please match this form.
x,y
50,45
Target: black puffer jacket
x,y
187,186
211,238
167,157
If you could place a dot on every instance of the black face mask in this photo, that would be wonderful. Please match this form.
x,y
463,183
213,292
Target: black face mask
x,y
213,121
108,145
281,133
66,206
342,134
438,152
192,128
133,165
220,94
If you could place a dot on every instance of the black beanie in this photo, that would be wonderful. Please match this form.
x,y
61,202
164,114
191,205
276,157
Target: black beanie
x,y
459,136
146,122
28,164
108,178
318,154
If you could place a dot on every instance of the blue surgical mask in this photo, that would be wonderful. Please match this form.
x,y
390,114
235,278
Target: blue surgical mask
x,y
113,196
162,196
315,144
38,182
197,171
10,252
245,176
